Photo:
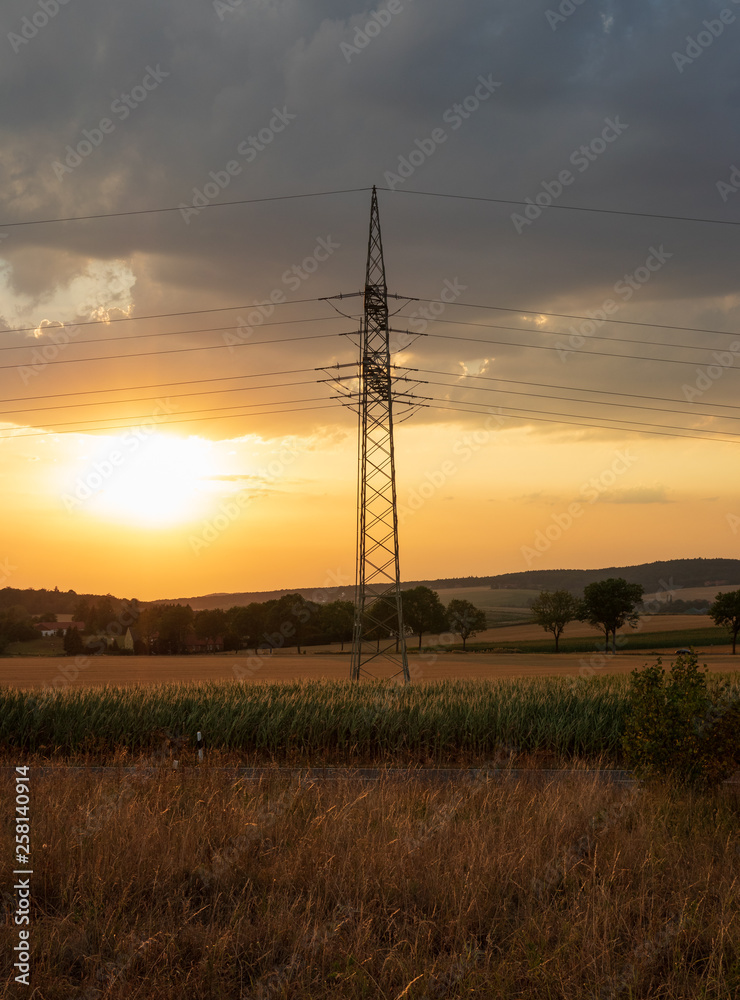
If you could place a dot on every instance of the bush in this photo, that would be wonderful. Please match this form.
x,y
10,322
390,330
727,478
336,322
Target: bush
x,y
678,729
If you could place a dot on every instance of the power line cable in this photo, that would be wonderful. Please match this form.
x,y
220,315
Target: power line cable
x,y
564,208
38,345
567,333
176,350
557,419
146,399
360,190
159,385
588,319
81,426
576,388
593,402
169,315
187,420
178,208
574,350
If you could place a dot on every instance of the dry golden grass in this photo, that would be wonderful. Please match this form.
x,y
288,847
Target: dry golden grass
x,y
193,886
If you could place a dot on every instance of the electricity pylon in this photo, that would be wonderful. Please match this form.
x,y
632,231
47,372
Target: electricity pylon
x,y
378,627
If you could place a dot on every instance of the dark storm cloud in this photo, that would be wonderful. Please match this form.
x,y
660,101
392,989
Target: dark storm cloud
x,y
271,98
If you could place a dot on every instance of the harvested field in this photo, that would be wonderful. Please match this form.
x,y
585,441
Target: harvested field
x,y
37,672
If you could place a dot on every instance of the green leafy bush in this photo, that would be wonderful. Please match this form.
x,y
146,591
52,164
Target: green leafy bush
x,y
679,728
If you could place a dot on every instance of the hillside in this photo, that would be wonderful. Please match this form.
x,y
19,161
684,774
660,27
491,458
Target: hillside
x,y
656,577
52,602
671,574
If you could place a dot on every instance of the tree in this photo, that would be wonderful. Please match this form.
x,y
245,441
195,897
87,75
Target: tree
x,y
81,612
248,623
726,612
553,611
610,604
423,611
290,620
175,623
210,624
232,642
73,644
337,620
101,614
465,619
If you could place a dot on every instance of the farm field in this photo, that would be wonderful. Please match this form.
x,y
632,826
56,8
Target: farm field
x,y
648,623
447,723
165,886
502,607
38,672
693,593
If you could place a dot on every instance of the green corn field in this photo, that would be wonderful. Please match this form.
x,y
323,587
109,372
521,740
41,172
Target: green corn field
x,y
373,722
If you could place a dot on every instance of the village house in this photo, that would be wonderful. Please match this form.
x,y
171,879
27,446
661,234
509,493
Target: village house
x,y
52,628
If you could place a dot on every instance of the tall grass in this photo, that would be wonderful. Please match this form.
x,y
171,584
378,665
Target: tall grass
x,y
211,889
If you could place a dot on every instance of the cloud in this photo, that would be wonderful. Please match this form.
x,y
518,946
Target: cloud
x,y
229,74
637,494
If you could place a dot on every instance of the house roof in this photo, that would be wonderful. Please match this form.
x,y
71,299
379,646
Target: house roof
x,y
54,626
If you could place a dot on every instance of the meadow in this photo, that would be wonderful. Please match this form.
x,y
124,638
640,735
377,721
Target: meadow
x,y
191,884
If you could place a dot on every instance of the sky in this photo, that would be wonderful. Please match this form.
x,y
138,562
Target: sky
x,y
559,195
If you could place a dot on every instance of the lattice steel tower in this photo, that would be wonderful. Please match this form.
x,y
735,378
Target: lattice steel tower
x,y
378,629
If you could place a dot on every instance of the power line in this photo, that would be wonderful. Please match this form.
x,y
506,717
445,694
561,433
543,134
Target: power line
x,y
564,208
624,420
168,315
588,319
81,428
592,402
408,191
576,388
573,350
566,333
30,345
178,208
146,399
557,419
159,385
176,350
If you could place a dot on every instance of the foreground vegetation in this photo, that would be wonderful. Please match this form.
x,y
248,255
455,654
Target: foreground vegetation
x,y
174,885
447,721
440,723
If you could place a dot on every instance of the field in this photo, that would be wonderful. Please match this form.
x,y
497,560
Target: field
x,y
447,723
192,884
693,593
434,665
151,881
318,722
502,607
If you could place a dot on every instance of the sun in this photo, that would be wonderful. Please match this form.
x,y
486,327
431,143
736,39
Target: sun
x,y
160,481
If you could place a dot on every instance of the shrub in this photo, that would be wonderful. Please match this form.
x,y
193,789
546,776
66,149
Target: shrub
x,y
677,728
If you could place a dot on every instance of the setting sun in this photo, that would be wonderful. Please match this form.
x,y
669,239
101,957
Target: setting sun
x,y
161,482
